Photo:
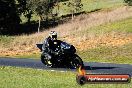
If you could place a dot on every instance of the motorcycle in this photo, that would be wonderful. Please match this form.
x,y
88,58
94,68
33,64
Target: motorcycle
x,y
63,56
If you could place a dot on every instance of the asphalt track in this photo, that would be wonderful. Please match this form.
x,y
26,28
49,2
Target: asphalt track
x,y
101,68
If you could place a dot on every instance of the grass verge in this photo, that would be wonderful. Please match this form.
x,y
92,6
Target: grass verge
x,y
122,54
12,77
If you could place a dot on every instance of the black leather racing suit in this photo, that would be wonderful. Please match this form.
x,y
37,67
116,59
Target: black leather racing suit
x,y
49,46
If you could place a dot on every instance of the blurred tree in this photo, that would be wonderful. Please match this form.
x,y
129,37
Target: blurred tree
x,y
11,10
75,6
42,7
9,17
129,2
78,6
23,8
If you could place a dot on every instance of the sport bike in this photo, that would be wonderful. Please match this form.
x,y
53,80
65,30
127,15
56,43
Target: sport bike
x,y
63,56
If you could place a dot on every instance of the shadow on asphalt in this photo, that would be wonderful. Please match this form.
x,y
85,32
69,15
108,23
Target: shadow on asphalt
x,y
96,68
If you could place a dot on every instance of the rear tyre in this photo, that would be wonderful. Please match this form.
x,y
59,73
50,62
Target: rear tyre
x,y
76,62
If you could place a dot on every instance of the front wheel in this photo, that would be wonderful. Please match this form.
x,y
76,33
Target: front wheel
x,y
76,62
46,61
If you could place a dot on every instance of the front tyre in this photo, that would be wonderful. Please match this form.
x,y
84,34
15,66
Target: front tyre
x,y
46,61
76,62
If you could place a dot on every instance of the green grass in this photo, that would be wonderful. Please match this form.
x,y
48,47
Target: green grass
x,y
12,77
124,25
91,5
109,54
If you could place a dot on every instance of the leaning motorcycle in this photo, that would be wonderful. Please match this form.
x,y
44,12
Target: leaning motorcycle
x,y
63,56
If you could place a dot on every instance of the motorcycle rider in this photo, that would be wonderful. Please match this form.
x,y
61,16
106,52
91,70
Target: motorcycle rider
x,y
49,46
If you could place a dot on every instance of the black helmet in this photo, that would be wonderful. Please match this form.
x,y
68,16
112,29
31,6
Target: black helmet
x,y
53,35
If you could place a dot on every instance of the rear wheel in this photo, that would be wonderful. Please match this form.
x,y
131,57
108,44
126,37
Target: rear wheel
x,y
76,62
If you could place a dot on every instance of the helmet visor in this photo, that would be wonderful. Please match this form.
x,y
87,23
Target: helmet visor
x,y
54,36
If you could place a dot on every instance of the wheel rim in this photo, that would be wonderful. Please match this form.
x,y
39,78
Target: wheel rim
x,y
75,64
48,63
